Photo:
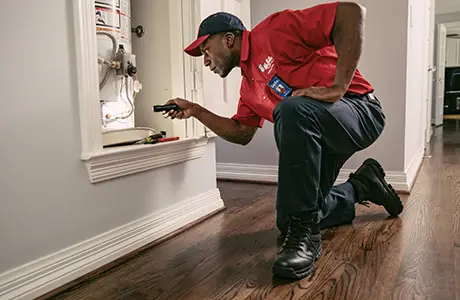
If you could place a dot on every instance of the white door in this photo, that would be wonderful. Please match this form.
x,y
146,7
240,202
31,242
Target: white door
x,y
440,70
218,95
221,95
231,84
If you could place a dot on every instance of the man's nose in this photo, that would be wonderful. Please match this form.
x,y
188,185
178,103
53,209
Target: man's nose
x,y
206,61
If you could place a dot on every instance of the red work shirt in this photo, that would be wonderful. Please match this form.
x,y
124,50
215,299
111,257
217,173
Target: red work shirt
x,y
295,45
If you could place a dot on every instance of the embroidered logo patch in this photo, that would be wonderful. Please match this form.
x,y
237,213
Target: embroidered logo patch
x,y
280,87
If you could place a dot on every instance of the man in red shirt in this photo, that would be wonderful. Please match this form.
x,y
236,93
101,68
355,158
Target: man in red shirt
x,y
299,71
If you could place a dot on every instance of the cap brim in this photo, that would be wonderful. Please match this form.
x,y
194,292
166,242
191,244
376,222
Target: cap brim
x,y
194,48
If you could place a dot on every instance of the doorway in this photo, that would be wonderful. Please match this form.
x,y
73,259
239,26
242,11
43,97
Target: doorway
x,y
446,82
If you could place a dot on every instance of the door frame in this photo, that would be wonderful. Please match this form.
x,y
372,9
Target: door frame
x,y
438,86
448,25
429,58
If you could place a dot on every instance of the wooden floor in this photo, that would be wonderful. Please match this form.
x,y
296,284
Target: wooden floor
x,y
229,256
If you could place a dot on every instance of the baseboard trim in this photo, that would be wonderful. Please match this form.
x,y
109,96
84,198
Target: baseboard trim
x,y
260,173
401,181
49,273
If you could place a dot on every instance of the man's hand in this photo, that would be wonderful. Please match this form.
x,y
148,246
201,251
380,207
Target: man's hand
x,y
226,128
186,111
327,94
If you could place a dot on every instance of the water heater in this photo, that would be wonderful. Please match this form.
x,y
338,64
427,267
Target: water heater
x,y
118,82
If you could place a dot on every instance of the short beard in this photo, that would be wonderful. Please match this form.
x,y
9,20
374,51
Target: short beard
x,y
233,61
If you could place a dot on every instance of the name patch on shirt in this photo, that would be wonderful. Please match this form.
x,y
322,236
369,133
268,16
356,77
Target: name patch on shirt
x,y
280,87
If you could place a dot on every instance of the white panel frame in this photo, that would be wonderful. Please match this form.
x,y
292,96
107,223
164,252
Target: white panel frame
x,y
440,68
133,159
194,79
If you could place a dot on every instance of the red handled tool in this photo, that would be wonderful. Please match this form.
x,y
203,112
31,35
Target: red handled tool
x,y
167,139
157,138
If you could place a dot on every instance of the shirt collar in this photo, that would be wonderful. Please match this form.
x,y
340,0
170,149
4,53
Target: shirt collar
x,y
245,46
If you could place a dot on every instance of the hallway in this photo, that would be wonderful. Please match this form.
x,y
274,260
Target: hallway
x,y
229,256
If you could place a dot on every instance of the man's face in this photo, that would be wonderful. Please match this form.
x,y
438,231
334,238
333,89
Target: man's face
x,y
217,53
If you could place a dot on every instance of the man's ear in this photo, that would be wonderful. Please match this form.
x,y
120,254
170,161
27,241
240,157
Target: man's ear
x,y
229,38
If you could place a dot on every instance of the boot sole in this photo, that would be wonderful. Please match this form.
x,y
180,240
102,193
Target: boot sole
x,y
295,274
394,206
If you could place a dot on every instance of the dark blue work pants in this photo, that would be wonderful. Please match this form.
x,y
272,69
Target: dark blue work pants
x,y
314,140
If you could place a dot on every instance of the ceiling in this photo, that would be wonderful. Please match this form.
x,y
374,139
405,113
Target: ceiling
x,y
447,6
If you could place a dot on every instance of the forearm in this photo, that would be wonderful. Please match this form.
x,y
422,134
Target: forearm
x,y
348,36
226,128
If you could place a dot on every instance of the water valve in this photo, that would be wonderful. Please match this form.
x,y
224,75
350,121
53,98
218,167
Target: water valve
x,y
132,70
126,59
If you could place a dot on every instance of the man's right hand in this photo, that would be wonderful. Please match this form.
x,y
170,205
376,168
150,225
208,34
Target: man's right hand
x,y
186,111
226,128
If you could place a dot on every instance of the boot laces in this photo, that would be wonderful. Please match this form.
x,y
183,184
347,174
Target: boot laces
x,y
361,179
297,233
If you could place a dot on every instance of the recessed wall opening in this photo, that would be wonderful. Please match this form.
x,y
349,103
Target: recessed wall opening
x,y
135,67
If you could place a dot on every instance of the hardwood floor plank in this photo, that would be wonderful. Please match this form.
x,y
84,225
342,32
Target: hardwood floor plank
x,y
456,221
456,203
456,274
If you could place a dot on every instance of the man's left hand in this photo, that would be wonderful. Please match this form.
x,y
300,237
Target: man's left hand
x,y
327,94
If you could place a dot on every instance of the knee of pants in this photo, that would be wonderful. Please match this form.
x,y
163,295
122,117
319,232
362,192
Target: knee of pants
x,y
285,108
292,108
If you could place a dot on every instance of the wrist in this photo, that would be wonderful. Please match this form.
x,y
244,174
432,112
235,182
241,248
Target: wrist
x,y
195,110
340,86
342,79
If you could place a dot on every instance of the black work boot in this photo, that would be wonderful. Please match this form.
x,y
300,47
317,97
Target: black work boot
x,y
300,248
370,185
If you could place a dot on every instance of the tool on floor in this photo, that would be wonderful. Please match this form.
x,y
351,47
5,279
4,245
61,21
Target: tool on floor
x,y
167,107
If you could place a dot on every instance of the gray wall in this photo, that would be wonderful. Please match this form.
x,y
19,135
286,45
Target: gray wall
x,y
47,202
449,17
383,63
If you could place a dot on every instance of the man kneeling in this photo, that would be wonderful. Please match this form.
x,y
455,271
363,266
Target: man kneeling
x,y
299,71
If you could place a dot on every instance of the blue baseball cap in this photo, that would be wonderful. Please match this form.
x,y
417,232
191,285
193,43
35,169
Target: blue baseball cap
x,y
215,23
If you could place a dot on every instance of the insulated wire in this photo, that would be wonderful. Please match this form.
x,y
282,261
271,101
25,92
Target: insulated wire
x,y
128,95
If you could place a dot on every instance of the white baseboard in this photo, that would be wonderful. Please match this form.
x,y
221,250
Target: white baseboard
x,y
264,173
401,181
48,273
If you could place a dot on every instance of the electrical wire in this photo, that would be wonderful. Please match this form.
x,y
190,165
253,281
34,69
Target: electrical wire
x,y
131,102
128,96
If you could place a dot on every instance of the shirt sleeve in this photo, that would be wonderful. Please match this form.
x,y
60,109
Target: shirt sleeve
x,y
246,116
313,25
